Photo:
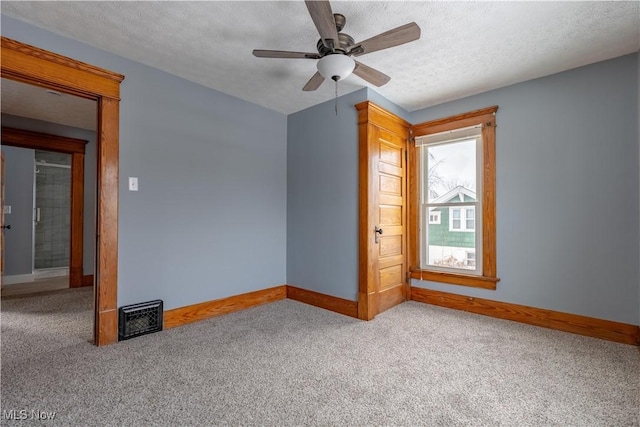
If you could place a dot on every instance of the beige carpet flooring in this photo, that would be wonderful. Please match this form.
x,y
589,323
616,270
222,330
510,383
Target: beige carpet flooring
x,y
288,363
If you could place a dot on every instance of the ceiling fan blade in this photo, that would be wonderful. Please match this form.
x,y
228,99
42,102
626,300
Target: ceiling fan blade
x,y
324,21
260,53
371,75
401,35
313,83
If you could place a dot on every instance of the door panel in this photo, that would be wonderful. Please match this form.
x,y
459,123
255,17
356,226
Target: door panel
x,y
390,245
383,205
390,215
390,276
390,154
392,185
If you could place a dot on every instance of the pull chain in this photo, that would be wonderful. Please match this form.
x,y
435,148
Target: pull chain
x,y
336,97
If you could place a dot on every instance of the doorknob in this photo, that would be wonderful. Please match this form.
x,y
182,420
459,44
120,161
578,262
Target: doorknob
x,y
378,231
8,227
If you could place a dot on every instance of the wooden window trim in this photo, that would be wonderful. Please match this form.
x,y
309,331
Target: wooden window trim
x,y
456,278
488,279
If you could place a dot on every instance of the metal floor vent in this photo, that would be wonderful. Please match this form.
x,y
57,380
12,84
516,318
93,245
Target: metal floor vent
x,y
139,319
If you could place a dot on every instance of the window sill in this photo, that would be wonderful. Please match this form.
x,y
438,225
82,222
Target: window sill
x,y
456,279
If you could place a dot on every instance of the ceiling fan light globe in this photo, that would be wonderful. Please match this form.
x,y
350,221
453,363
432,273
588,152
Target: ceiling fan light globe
x,y
336,66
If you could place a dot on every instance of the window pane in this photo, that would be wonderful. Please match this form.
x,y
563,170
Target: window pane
x,y
450,168
450,249
471,222
451,242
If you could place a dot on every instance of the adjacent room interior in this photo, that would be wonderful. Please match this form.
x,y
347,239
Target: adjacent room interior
x,y
436,225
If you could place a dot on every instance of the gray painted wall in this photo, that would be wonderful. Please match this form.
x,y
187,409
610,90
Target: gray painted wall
x,y
89,175
18,175
210,217
209,220
567,190
322,197
567,159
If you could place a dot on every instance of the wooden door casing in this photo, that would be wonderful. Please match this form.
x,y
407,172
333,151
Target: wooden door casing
x,y
383,204
76,149
2,220
29,64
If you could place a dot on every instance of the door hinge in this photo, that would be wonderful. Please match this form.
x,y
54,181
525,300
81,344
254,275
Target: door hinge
x,y
408,277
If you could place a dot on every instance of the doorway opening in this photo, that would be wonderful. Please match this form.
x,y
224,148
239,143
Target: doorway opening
x,y
32,155
29,64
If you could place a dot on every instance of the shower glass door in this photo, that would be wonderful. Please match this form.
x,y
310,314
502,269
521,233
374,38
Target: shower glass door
x,y
52,210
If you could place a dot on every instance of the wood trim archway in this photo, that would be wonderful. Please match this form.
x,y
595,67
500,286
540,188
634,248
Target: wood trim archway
x,y
29,64
76,148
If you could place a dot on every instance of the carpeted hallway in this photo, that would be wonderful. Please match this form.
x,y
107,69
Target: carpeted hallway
x,y
289,363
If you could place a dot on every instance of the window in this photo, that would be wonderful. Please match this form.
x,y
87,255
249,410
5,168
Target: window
x,y
471,259
452,200
434,217
457,223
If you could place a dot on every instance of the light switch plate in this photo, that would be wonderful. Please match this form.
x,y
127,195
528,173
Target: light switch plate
x,y
7,209
133,183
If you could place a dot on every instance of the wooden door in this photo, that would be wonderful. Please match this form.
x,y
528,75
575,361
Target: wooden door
x,y
383,210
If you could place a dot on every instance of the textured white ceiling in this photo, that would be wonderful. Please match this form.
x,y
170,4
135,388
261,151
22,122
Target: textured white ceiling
x,y
20,99
465,48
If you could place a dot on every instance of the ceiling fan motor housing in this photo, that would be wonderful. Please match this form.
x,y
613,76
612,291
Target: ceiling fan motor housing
x,y
345,41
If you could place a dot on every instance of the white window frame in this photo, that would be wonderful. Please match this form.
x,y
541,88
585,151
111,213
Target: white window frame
x,y
477,204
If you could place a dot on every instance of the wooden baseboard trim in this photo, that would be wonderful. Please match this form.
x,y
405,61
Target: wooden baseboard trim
x,y
582,325
87,280
196,312
328,302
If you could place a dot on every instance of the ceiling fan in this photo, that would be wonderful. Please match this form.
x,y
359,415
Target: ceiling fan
x,y
336,49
